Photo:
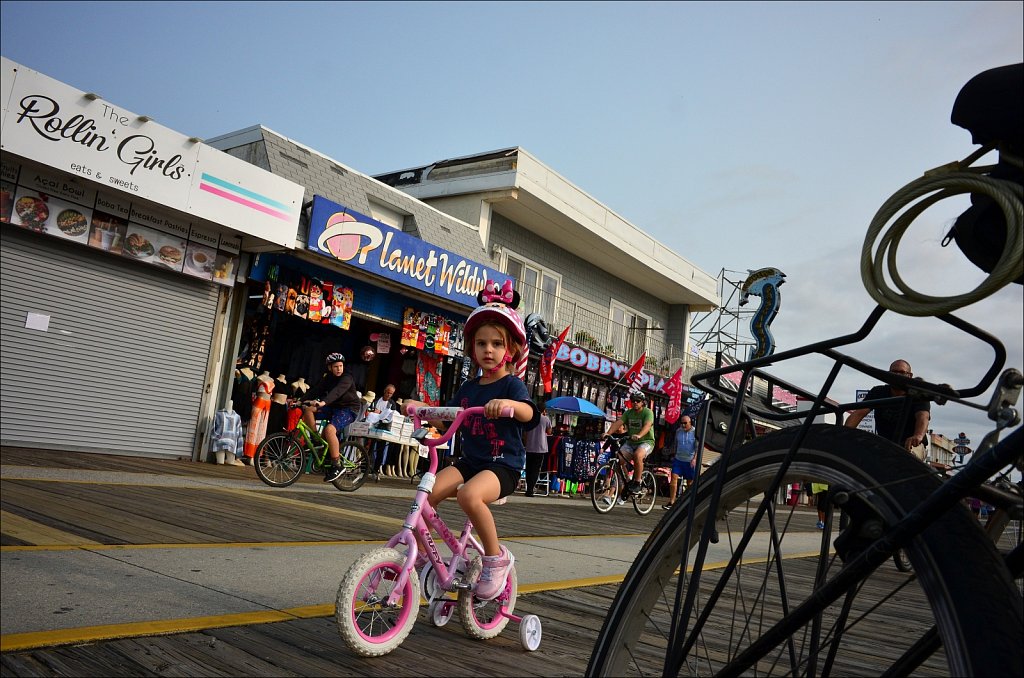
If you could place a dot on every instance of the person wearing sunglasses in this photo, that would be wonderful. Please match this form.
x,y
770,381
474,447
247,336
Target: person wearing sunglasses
x,y
902,423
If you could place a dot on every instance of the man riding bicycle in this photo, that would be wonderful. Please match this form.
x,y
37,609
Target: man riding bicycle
x,y
639,441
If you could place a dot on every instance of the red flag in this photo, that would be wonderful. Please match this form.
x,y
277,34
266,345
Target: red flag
x,y
632,377
547,361
674,389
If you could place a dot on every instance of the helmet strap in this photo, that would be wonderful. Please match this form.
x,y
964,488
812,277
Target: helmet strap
x,y
494,370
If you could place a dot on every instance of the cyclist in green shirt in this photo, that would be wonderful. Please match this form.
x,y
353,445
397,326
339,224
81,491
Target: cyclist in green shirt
x,y
639,441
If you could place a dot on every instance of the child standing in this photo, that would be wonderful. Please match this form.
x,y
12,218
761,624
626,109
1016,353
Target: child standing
x,y
493,454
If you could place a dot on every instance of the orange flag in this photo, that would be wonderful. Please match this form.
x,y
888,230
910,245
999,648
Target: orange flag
x,y
547,361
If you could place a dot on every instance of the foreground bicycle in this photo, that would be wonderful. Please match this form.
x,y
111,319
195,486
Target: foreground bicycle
x,y
775,600
379,596
281,458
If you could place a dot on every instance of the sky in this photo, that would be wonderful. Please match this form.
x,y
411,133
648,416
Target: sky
x,y
741,135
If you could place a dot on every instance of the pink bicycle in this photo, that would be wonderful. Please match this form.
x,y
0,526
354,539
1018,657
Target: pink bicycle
x,y
379,596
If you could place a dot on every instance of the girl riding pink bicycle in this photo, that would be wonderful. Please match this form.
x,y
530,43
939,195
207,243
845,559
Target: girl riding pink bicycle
x,y
493,454
379,595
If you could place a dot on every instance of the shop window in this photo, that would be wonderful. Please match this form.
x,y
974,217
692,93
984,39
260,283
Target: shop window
x,y
628,331
538,288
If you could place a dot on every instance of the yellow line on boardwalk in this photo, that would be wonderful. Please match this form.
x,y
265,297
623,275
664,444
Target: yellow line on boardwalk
x,y
32,532
14,642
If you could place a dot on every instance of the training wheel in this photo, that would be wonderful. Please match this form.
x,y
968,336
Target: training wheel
x,y
530,632
441,612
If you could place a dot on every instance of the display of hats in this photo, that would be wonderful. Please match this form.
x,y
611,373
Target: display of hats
x,y
369,396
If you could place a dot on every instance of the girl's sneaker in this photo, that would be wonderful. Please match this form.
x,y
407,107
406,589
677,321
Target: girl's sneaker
x,y
493,576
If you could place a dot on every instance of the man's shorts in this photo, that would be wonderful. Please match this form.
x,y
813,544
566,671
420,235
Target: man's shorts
x,y
339,417
508,477
683,469
631,448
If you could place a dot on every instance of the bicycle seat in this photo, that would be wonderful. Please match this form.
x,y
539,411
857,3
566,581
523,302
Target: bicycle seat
x,y
990,106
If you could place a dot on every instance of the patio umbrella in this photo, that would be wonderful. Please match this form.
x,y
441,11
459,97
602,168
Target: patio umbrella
x,y
575,406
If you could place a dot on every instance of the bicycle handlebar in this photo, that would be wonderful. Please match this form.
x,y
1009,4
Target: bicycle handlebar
x,y
456,415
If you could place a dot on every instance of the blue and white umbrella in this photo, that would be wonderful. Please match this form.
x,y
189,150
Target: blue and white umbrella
x,y
575,406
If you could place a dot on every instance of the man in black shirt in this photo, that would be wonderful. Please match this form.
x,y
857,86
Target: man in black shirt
x,y
892,422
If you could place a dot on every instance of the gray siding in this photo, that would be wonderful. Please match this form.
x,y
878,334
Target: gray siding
x,y
322,176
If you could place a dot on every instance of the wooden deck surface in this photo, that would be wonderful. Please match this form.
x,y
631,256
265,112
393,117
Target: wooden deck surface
x,y
140,512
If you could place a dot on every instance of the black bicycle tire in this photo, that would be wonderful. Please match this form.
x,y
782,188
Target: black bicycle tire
x,y
343,482
604,470
970,592
273,439
646,478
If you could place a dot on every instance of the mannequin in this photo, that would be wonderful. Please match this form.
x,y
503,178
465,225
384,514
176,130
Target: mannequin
x,y
226,439
247,373
299,388
260,411
281,381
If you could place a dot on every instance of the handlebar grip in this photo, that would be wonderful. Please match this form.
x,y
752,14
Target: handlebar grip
x,y
435,413
508,412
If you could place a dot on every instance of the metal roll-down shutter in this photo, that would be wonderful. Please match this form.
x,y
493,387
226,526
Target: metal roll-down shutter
x,y
121,366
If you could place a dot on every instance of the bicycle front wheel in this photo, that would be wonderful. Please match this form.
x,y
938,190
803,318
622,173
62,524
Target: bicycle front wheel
x,y
604,489
643,501
662,622
356,465
367,623
279,459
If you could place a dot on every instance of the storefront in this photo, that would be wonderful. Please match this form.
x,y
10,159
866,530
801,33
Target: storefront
x,y
391,303
591,376
122,243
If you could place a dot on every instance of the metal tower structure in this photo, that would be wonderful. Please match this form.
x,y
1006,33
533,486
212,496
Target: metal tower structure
x,y
726,330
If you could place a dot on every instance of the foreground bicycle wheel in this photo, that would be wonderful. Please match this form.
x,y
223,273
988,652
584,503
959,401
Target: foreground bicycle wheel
x,y
366,622
482,619
356,469
958,574
279,460
604,489
644,500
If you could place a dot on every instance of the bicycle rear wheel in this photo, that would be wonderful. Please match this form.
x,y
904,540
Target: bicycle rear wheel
x,y
604,489
643,501
483,619
279,460
357,466
876,624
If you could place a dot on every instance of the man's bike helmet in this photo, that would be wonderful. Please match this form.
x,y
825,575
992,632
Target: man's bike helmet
x,y
497,305
334,358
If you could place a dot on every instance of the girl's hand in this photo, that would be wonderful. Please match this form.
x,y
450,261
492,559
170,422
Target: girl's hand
x,y
495,408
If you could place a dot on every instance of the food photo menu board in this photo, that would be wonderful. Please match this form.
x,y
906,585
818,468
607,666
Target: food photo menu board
x,y
43,201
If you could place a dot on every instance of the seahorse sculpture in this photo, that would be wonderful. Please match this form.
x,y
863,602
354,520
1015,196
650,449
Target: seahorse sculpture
x,y
763,283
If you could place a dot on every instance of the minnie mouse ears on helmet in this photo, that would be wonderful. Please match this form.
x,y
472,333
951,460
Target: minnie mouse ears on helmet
x,y
491,293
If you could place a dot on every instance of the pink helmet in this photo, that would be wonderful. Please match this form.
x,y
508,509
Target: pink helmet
x,y
496,305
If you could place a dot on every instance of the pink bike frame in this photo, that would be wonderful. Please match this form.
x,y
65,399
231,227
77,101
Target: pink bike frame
x,y
422,514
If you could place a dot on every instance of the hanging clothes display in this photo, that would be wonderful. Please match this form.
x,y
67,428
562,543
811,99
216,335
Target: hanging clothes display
x,y
428,378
